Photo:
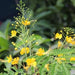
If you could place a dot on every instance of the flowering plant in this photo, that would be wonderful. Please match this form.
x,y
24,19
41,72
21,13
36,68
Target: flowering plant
x,y
29,58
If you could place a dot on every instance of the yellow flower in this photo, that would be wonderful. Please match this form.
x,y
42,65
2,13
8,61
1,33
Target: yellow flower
x,y
26,22
15,61
28,61
72,59
24,50
59,60
68,39
63,59
58,36
47,67
59,55
40,52
27,50
73,42
59,44
31,62
13,33
34,64
9,59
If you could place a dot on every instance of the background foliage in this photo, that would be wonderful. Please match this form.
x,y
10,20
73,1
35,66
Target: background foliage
x,y
52,15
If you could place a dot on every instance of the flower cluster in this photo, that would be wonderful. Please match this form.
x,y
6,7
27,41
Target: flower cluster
x,y
40,52
70,40
15,61
26,22
47,67
30,62
59,60
13,33
24,51
58,36
12,61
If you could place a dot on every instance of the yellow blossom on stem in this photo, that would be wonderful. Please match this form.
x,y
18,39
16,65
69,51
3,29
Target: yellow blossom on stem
x,y
59,60
15,61
59,44
63,59
31,62
58,36
68,39
47,67
28,61
9,59
24,50
34,64
73,42
27,50
40,52
72,59
59,55
26,22
13,33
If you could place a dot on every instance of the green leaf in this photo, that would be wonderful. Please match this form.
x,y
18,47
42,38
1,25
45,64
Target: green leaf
x,y
2,35
7,29
16,73
42,68
20,70
5,25
43,23
8,66
43,14
11,72
73,2
1,73
62,51
67,72
59,3
3,44
14,68
54,68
